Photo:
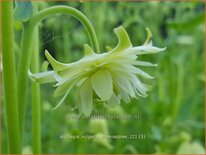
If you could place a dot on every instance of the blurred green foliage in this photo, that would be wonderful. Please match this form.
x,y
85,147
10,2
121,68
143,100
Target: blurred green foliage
x,y
172,117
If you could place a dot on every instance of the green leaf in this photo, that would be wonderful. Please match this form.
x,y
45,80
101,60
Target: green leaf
x,y
23,11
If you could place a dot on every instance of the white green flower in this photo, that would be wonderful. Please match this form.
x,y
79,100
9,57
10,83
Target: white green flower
x,y
109,77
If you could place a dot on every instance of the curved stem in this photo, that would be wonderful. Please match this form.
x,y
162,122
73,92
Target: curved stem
x,y
26,45
9,78
71,11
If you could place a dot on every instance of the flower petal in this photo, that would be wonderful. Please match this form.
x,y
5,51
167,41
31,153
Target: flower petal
x,y
102,84
57,66
44,77
124,83
129,68
140,87
61,89
88,50
63,98
124,95
124,40
145,49
144,63
44,66
85,94
143,74
57,77
65,83
149,37
80,82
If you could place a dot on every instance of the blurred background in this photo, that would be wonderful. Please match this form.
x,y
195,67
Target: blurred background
x,y
171,118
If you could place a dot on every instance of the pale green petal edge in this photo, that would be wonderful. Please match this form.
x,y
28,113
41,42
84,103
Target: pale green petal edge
x,y
44,77
86,101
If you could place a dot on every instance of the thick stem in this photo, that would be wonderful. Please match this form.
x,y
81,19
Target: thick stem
x,y
9,76
36,108
24,62
25,54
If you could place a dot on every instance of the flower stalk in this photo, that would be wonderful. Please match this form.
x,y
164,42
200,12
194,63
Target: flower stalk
x,y
70,11
9,76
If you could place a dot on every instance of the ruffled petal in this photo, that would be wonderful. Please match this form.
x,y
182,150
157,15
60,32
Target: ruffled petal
x,y
140,87
124,95
124,83
143,74
129,68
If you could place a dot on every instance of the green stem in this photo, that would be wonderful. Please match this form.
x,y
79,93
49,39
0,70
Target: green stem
x,y
73,12
36,108
27,41
24,62
9,78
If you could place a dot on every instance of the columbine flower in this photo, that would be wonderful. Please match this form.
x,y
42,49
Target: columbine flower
x,y
109,76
